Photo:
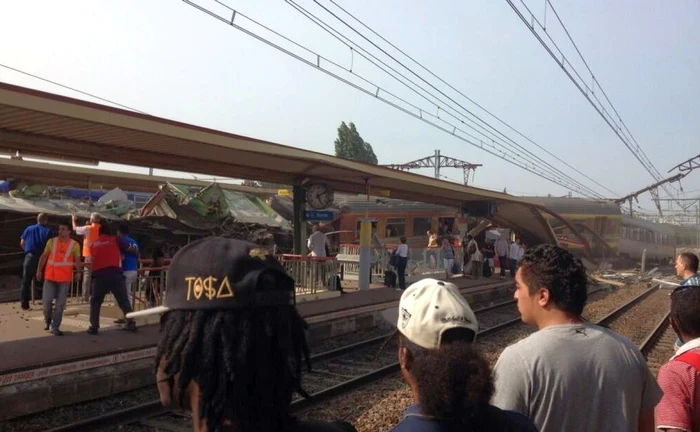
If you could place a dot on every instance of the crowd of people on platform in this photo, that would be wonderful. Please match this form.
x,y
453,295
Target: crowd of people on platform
x,y
476,261
232,350
109,265
569,375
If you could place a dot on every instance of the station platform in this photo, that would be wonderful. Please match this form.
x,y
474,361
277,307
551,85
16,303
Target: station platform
x,y
30,356
24,344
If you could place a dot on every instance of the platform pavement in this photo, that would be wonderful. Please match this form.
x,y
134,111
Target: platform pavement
x,y
24,344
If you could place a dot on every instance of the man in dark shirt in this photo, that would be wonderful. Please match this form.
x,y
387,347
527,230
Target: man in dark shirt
x,y
33,240
232,340
450,381
107,276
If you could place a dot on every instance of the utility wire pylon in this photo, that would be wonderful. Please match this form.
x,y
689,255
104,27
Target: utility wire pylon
x,y
438,161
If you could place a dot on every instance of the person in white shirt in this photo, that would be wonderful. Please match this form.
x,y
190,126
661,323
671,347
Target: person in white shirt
x,y
514,256
401,262
317,242
501,249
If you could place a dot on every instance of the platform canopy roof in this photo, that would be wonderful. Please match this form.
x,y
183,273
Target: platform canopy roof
x,y
61,127
99,179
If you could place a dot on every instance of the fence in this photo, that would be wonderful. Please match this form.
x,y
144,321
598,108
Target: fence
x,y
421,261
146,291
311,274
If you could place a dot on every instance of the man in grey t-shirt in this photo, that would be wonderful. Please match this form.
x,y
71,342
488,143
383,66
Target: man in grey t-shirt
x,y
570,375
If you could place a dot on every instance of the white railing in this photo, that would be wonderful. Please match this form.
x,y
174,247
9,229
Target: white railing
x,y
311,274
421,261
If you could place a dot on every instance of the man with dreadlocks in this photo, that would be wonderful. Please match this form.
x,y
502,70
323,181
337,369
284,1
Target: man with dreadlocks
x,y
232,340
450,381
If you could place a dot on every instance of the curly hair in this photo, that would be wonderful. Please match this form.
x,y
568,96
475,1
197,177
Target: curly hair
x,y
685,309
246,362
454,383
554,268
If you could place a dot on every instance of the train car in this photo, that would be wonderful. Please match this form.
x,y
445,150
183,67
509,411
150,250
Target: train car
x,y
659,240
609,232
395,218
687,236
599,221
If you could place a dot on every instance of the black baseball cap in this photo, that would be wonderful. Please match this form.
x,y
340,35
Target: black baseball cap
x,y
218,273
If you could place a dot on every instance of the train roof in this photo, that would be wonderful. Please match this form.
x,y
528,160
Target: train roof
x,y
578,206
360,203
641,223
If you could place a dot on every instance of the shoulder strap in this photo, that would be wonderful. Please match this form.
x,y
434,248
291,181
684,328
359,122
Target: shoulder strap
x,y
691,358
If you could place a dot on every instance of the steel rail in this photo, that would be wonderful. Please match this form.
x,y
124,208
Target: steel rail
x,y
648,344
155,408
606,320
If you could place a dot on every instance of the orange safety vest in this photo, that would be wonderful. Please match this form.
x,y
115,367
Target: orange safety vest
x,y
91,234
59,267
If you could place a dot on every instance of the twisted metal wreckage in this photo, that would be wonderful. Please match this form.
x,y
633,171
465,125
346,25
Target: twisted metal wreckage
x,y
168,219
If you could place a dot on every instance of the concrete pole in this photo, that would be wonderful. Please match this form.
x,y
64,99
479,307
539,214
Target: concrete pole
x,y
644,260
365,254
437,164
298,222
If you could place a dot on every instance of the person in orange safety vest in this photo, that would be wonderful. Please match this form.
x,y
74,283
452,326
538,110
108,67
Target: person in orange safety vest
x,y
89,233
56,266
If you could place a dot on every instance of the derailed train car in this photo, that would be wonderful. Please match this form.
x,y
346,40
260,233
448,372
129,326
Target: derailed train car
x,y
659,240
610,233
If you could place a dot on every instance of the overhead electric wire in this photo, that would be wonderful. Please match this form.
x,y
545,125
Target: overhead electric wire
x,y
532,158
619,130
71,88
455,89
422,114
556,14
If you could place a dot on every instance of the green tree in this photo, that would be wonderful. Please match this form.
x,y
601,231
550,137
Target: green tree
x,y
350,145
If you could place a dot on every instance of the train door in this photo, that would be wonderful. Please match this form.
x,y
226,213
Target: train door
x,y
446,226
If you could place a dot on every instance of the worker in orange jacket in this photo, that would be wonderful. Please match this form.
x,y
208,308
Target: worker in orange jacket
x,y
89,233
56,265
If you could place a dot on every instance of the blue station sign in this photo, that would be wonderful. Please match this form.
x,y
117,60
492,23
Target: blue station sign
x,y
316,215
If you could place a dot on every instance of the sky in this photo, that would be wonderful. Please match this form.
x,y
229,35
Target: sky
x,y
168,59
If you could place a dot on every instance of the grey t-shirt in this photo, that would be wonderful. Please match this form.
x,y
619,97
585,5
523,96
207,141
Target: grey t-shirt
x,y
576,378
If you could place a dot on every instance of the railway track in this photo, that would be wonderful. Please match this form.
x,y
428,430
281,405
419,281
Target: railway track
x,y
335,372
654,337
658,347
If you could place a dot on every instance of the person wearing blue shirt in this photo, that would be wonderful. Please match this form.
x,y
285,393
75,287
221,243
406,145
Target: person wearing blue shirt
x,y
130,264
450,380
687,268
32,242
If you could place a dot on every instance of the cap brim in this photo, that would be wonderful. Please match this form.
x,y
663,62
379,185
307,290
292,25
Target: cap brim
x,y
391,315
148,312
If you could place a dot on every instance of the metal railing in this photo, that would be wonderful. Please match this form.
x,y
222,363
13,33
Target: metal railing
x,y
141,292
421,261
311,274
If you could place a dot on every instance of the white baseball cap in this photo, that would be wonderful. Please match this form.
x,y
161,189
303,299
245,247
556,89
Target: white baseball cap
x,y
427,309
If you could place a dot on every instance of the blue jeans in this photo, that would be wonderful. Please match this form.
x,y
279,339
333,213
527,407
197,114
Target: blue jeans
x,y
31,261
59,291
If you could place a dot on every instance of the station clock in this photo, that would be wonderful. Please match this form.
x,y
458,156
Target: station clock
x,y
319,196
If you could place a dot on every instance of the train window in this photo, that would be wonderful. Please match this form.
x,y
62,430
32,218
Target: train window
x,y
395,227
421,225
